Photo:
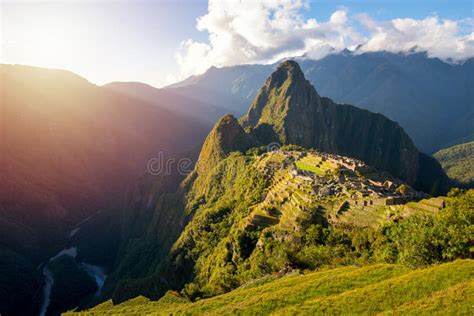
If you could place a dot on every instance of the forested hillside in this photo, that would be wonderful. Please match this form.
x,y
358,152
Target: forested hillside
x,y
458,162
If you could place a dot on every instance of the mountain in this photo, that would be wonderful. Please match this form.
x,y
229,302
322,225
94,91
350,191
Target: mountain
x,y
226,136
256,216
69,149
432,100
289,107
289,110
184,106
382,288
250,208
231,87
458,162
429,98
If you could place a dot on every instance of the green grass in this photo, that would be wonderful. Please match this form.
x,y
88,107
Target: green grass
x,y
314,164
389,294
310,168
423,207
383,288
458,298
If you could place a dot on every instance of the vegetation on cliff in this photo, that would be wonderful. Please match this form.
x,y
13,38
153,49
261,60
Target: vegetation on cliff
x,y
458,162
228,242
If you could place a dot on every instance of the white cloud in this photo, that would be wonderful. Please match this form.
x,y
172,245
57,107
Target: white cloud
x,y
264,31
440,38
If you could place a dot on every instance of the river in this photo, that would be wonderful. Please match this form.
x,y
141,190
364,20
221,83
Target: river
x,y
95,272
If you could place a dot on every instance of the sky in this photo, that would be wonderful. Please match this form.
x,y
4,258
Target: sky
x,y
160,42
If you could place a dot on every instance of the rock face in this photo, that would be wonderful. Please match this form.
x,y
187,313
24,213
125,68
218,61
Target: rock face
x,y
289,110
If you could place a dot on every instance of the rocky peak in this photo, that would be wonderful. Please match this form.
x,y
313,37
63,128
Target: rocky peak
x,y
288,70
226,136
290,111
285,91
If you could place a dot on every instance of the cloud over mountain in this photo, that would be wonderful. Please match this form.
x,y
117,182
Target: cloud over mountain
x,y
265,31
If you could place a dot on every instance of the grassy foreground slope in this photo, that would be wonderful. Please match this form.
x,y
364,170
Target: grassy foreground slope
x,y
458,162
383,288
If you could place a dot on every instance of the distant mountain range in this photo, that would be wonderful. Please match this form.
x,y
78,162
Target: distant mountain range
x,y
431,99
179,104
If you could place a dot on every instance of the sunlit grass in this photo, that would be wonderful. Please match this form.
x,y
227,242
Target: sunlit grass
x,y
382,288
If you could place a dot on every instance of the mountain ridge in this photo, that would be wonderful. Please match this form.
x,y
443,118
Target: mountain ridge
x,y
167,99
413,90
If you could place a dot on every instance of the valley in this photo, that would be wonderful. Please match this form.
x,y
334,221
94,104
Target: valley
x,y
68,256
68,148
296,205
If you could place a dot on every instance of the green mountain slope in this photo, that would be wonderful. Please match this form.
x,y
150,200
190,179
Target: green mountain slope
x,y
255,214
458,162
383,288
247,211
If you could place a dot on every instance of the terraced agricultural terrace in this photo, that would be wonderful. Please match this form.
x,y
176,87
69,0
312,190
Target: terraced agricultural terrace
x,y
316,164
337,189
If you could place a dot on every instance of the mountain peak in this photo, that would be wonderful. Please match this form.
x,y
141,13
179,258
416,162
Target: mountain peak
x,y
290,66
226,136
287,70
288,109
286,94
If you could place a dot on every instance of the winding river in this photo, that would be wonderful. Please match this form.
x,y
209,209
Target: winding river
x,y
95,272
